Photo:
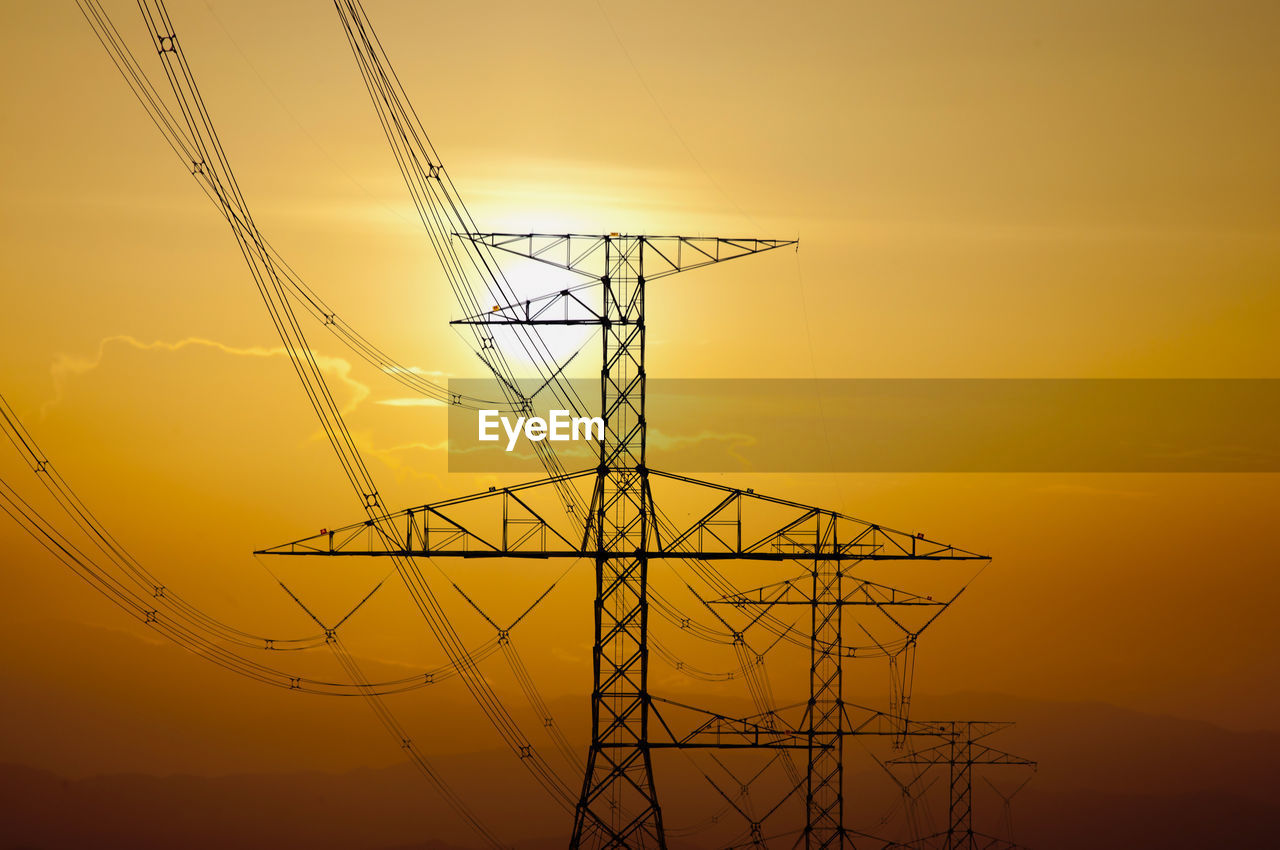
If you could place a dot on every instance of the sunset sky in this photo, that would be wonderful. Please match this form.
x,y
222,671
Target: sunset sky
x,y
981,190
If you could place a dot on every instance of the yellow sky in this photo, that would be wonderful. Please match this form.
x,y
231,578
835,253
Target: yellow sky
x,y
981,190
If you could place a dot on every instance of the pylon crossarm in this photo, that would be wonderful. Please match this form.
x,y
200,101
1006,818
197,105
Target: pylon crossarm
x,y
751,526
979,754
573,252
500,522
957,731
434,529
717,731
682,253
792,592
585,254
564,307
601,259
976,730
861,720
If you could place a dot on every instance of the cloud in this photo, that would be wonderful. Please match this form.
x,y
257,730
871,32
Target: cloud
x,y
411,402
704,441
69,366
658,439
414,370
426,447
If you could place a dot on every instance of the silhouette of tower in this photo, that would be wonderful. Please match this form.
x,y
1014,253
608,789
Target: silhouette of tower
x,y
625,530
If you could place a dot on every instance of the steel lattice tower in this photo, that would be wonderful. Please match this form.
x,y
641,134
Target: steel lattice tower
x,y
619,805
960,751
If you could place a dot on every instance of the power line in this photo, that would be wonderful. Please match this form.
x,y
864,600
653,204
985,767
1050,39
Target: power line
x,y
621,528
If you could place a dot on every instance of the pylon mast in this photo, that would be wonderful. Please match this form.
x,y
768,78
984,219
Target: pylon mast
x,y
618,784
619,803
824,793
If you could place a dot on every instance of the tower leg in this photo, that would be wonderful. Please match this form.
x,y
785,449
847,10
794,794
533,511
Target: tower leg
x,y
619,805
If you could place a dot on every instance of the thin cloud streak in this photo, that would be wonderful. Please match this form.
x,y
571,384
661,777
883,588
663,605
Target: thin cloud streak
x,y
69,366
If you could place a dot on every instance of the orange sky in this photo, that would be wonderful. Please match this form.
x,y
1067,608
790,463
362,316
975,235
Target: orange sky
x,y
992,190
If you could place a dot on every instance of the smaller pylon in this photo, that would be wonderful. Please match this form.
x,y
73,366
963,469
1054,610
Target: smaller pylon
x,y
961,750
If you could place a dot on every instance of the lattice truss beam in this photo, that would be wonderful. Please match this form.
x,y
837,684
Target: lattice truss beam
x,y
601,259
530,521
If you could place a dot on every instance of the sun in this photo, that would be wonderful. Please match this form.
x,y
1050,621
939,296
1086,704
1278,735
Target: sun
x,y
543,349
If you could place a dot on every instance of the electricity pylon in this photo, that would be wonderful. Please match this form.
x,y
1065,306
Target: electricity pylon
x,y
960,750
626,529
826,720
